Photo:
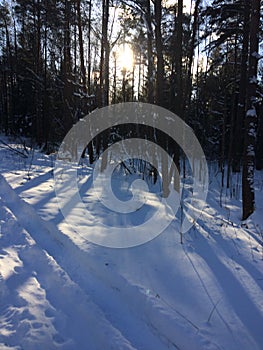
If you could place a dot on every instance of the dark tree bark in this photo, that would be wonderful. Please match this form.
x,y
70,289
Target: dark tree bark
x,y
159,52
150,78
241,105
89,49
67,69
46,114
178,98
81,49
7,77
232,141
248,195
104,58
259,149
177,87
39,72
160,90
188,87
102,142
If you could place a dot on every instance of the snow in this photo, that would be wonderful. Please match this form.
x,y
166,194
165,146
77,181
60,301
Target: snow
x,y
252,132
253,80
257,55
59,291
251,112
250,149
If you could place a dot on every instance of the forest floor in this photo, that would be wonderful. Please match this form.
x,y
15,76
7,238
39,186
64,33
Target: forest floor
x,y
59,291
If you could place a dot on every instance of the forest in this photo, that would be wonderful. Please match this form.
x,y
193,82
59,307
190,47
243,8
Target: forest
x,y
62,59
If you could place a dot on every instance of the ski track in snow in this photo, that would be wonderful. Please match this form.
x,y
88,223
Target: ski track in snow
x,y
106,294
38,270
59,291
74,260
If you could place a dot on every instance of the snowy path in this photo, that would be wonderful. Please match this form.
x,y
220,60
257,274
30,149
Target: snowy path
x,y
57,264
59,291
39,271
85,315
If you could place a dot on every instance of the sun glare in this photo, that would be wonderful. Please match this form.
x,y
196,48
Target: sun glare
x,y
125,57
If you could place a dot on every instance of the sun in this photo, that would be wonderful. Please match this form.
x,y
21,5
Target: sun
x,y
125,57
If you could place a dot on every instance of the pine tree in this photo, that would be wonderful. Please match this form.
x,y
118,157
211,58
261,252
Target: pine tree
x,y
248,196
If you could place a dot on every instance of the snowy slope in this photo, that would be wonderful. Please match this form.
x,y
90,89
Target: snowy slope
x,y
57,290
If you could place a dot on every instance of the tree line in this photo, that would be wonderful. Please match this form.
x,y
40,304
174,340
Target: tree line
x,y
59,61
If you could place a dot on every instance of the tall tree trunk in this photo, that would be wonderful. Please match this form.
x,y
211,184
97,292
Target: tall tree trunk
x,y
114,94
150,78
8,84
38,71
89,49
102,142
259,149
241,105
67,69
248,195
81,49
188,88
160,90
177,105
159,51
46,114
139,76
233,116
104,58
177,88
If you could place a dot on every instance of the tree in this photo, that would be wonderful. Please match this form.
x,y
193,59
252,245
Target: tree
x,y
104,57
81,48
241,104
177,90
66,68
150,74
159,53
229,21
7,77
248,196
191,53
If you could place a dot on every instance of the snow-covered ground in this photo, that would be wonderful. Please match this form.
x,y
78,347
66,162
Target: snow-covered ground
x,y
57,290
